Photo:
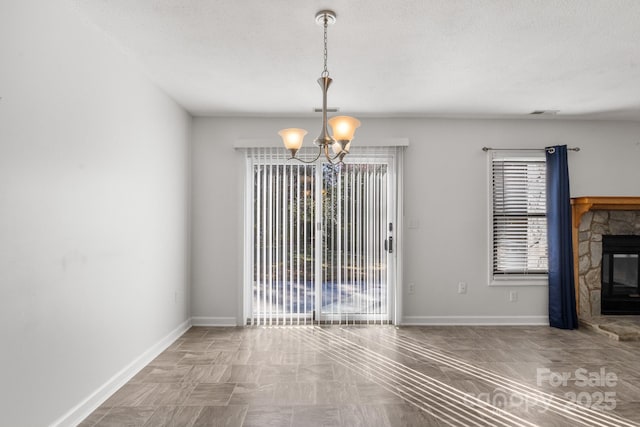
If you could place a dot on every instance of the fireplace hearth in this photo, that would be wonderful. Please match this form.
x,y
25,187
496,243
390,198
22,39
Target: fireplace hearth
x,y
620,273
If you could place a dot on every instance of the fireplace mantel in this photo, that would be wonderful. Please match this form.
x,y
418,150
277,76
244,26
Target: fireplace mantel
x,y
582,205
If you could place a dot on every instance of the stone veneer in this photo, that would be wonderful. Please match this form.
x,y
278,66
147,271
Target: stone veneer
x,y
593,226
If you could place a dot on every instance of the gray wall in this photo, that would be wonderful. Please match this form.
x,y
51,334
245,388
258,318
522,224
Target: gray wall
x,y
93,208
446,190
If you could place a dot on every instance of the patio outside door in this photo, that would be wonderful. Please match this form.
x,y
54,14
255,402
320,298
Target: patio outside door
x,y
320,243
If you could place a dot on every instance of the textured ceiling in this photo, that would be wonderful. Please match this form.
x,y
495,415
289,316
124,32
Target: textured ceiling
x,y
494,58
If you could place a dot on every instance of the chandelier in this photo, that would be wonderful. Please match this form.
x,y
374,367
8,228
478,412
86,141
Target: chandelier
x,y
343,127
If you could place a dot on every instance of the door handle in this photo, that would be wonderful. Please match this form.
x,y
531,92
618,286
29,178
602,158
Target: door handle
x,y
388,244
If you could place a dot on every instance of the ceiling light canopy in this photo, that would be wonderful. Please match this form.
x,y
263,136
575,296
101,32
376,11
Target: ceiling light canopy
x,y
343,127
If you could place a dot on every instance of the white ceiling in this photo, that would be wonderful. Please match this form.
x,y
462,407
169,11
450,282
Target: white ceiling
x,y
477,58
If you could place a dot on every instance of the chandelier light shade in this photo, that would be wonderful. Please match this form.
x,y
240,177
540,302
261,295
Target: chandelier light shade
x,y
292,139
343,127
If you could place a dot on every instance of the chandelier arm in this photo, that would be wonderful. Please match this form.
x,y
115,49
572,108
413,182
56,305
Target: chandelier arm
x,y
307,161
331,159
339,155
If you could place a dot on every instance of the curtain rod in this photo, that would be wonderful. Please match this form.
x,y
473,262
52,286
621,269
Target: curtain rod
x,y
525,149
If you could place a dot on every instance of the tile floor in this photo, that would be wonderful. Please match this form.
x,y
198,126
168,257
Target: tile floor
x,y
383,376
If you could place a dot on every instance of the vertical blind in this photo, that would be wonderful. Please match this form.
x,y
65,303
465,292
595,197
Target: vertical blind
x,y
519,214
317,240
283,199
354,260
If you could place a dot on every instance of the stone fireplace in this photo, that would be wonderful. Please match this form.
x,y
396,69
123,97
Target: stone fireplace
x,y
593,218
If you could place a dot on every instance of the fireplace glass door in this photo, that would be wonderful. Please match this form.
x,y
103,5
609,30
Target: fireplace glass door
x,y
623,272
620,273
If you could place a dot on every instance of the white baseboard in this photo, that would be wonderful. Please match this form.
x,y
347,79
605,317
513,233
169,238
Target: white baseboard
x,y
214,321
95,399
475,320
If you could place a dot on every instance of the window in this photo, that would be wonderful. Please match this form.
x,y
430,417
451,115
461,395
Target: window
x,y
518,217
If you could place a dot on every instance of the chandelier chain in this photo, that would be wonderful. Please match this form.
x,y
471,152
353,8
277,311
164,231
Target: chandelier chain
x,y
325,71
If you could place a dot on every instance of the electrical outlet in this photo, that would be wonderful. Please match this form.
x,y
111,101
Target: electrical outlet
x,y
411,288
462,287
513,296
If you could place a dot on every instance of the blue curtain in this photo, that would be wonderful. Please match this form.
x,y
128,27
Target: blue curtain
x,y
562,296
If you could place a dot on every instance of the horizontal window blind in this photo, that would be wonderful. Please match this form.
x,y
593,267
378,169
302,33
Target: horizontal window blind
x,y
519,215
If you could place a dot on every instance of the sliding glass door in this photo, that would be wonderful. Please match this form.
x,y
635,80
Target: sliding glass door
x,y
353,258
319,244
